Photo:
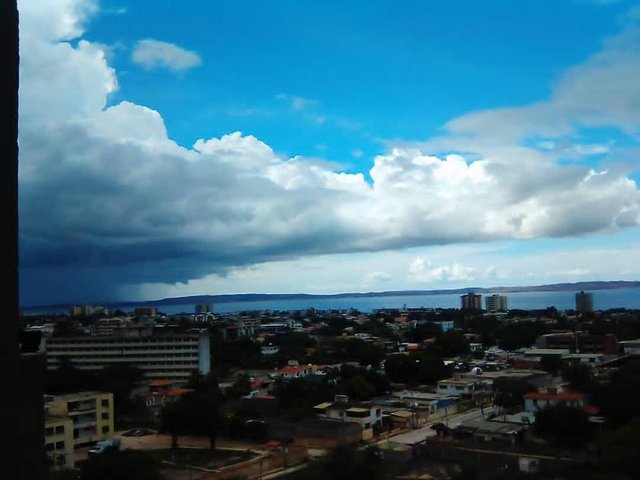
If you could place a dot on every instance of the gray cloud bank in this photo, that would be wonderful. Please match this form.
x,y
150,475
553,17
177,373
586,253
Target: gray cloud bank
x,y
108,199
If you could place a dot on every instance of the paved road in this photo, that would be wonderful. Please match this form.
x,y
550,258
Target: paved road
x,y
419,434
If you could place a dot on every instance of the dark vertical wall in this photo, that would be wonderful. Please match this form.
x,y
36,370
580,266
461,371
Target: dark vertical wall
x,y
21,402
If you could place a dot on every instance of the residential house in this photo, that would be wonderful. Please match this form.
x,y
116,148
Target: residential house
x,y
536,401
367,415
461,387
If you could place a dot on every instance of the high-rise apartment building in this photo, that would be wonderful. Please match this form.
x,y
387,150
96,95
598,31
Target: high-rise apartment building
x,y
471,301
204,308
584,302
496,303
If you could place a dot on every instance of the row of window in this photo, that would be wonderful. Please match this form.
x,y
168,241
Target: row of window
x,y
84,431
55,446
58,430
127,357
119,341
116,348
187,363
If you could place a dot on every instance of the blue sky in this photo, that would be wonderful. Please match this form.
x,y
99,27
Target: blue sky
x,y
176,148
363,75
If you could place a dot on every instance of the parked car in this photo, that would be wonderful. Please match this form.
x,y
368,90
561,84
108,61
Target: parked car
x,y
105,445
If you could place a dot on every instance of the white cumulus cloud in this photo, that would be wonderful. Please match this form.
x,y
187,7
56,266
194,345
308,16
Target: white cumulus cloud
x,y
106,196
155,54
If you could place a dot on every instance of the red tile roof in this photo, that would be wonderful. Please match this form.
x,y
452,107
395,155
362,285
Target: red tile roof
x,y
175,392
291,370
160,383
591,410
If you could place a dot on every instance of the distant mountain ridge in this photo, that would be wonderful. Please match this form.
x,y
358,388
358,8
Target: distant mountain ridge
x,y
254,297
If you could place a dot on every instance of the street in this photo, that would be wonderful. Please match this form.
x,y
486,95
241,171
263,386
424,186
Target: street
x,y
453,421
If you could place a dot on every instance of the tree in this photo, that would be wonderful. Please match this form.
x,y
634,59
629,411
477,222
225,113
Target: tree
x,y
293,345
67,378
298,396
375,328
370,354
400,368
509,392
517,335
564,426
171,422
360,383
423,331
195,413
415,368
620,450
204,414
345,462
200,383
234,353
618,398
120,465
120,379
578,375
66,328
240,387
451,344
357,388
551,364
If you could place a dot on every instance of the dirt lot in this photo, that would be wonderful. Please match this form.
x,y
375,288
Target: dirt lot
x,y
158,441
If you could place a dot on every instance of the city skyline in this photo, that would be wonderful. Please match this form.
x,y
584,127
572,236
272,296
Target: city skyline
x,y
210,149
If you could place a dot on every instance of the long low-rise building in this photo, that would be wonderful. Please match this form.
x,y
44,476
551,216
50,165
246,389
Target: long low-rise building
x,y
171,357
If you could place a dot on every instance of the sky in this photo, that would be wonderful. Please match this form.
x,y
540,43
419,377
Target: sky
x,y
186,148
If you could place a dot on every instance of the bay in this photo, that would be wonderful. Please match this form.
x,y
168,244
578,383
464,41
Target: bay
x,y
562,300
606,299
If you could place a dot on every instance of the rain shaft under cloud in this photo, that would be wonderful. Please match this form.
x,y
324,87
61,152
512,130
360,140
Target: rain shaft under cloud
x,y
108,198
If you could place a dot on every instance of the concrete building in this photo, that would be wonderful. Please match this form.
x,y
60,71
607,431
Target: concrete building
x,y
631,347
445,325
86,310
204,308
591,359
487,431
461,387
269,349
535,401
538,378
471,301
579,342
364,414
496,303
108,326
584,302
295,371
90,415
58,441
157,393
145,311
169,357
